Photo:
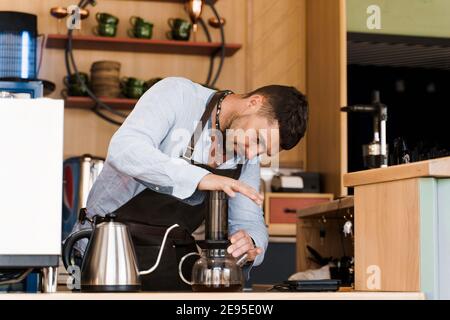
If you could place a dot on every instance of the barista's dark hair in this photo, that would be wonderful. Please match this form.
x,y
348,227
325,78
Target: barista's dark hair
x,y
289,107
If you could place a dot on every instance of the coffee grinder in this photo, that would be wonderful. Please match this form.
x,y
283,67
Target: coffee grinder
x,y
216,269
374,153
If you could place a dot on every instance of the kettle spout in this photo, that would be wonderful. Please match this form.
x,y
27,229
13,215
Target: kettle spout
x,y
163,244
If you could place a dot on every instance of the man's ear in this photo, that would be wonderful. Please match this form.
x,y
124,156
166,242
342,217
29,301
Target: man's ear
x,y
255,102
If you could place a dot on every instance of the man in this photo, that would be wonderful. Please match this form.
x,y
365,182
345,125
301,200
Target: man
x,y
154,176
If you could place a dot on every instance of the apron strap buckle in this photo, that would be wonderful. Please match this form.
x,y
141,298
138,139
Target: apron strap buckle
x,y
189,153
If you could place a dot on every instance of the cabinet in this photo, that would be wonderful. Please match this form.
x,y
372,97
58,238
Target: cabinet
x,y
402,218
321,228
280,210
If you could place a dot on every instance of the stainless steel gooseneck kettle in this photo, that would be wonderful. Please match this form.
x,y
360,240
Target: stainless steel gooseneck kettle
x,y
109,262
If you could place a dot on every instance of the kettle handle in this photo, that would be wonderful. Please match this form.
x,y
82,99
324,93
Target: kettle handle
x,y
70,242
180,267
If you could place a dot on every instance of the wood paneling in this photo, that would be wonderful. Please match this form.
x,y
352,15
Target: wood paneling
x,y
380,210
84,131
276,54
327,91
272,32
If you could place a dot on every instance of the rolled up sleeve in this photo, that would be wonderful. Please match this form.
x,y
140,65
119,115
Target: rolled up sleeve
x,y
245,215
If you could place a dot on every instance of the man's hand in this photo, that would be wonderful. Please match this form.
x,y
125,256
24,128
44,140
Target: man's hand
x,y
212,182
242,243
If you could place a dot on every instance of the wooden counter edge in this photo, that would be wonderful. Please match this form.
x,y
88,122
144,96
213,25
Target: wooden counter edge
x,y
439,168
326,207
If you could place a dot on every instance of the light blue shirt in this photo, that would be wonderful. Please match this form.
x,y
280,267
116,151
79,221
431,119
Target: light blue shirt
x,y
145,153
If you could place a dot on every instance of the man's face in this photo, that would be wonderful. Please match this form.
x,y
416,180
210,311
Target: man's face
x,y
254,134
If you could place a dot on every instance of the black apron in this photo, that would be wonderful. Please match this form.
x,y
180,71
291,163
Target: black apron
x,y
150,213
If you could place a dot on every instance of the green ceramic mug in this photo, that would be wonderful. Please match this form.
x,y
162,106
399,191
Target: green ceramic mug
x,y
180,29
131,82
74,87
105,30
103,17
73,79
135,20
133,92
132,88
142,30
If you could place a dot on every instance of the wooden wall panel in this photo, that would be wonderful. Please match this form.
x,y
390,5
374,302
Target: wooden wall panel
x,y
272,34
84,131
327,91
379,211
276,54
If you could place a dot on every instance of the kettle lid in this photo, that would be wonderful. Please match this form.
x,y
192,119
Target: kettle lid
x,y
110,217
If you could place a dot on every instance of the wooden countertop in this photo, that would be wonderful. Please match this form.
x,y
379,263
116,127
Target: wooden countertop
x,y
439,168
327,207
218,296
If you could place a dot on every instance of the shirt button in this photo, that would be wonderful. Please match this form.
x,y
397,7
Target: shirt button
x,y
156,188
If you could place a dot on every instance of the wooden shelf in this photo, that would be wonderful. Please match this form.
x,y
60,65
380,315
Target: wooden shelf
x,y
87,103
57,41
327,208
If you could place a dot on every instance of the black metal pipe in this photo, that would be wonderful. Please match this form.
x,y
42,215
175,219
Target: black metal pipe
x,y
222,47
213,55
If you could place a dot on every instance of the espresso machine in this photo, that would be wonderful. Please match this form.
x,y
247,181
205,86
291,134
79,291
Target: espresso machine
x,y
30,174
374,153
30,188
216,269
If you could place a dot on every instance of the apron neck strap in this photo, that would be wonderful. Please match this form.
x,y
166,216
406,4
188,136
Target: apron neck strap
x,y
189,152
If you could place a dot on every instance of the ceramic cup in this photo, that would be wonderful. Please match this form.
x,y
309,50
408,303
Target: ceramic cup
x,y
180,29
132,88
106,18
141,28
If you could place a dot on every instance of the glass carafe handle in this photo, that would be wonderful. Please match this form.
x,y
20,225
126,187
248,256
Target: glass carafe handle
x,y
180,266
